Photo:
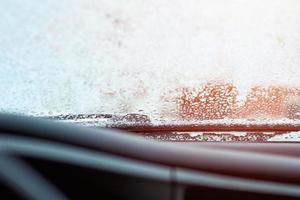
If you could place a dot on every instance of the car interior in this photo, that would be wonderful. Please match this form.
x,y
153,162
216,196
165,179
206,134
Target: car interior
x,y
149,100
43,159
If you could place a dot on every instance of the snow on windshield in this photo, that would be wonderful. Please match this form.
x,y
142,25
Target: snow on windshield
x,y
194,59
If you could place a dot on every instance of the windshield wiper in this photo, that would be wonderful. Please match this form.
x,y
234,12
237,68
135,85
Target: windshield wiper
x,y
142,123
226,130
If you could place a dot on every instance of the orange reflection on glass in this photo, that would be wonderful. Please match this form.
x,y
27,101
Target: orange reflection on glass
x,y
218,100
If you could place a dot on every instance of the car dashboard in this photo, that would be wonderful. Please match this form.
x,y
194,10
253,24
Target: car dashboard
x,y
46,159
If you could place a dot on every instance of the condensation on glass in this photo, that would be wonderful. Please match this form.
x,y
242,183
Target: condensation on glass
x,y
178,60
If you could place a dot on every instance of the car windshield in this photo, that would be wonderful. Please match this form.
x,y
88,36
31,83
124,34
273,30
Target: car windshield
x,y
169,62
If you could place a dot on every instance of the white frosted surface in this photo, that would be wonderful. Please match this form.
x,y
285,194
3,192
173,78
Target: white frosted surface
x,y
105,56
288,137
